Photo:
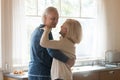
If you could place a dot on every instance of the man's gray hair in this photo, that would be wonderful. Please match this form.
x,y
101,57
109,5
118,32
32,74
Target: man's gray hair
x,y
47,11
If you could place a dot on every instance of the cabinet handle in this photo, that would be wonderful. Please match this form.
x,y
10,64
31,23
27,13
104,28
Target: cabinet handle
x,y
111,72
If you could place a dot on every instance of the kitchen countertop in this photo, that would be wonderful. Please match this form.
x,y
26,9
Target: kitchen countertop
x,y
94,68
74,70
17,76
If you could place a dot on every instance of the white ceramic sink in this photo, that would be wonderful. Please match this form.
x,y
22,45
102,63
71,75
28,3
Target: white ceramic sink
x,y
87,68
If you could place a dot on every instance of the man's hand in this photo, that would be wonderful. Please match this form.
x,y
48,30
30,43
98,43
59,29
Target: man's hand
x,y
70,62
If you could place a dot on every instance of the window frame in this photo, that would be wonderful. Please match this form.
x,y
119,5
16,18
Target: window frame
x,y
80,2
34,16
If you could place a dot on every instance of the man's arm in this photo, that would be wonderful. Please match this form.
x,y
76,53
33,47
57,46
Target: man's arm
x,y
57,54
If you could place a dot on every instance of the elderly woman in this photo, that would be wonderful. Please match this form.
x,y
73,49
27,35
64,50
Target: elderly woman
x,y
71,33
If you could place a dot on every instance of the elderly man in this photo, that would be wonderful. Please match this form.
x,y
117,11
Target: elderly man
x,y
40,57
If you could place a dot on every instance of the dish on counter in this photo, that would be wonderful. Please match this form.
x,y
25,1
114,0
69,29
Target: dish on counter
x,y
18,72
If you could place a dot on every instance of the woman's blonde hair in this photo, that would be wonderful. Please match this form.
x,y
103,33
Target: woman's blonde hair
x,y
74,30
47,11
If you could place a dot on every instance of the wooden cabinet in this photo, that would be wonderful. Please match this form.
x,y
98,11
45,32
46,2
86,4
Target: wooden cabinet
x,y
118,74
13,77
89,75
109,74
8,78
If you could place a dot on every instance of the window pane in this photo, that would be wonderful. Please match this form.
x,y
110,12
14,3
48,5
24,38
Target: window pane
x,y
88,45
42,4
31,7
89,8
70,8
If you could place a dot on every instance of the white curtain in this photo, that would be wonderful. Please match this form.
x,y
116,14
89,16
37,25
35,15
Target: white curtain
x,y
101,28
19,34
6,30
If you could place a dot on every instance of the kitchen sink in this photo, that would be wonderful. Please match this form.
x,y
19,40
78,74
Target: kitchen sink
x,y
94,67
87,68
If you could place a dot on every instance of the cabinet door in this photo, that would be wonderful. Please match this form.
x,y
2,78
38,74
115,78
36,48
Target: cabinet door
x,y
118,74
85,75
108,75
7,78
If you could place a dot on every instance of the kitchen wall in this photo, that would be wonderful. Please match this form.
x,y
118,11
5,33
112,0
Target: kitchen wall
x,y
6,14
1,76
6,30
113,23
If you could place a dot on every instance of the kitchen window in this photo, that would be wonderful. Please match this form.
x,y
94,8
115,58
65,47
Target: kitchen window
x,y
86,11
